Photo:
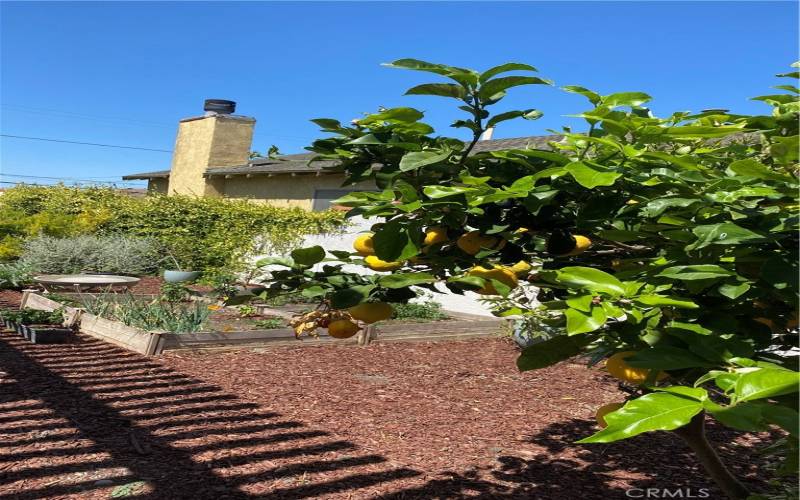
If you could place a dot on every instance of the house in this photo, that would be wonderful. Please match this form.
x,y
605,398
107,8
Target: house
x,y
212,158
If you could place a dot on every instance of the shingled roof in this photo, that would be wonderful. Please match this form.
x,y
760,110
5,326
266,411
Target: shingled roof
x,y
298,163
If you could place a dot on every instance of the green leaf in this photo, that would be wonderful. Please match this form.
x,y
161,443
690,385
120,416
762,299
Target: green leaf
x,y
590,279
581,302
492,87
583,322
402,280
782,416
401,115
392,242
661,300
593,97
663,357
419,159
744,417
657,207
725,233
274,261
308,256
752,168
733,291
589,177
766,383
435,192
349,297
439,89
697,272
503,68
693,132
625,99
656,411
551,351
528,114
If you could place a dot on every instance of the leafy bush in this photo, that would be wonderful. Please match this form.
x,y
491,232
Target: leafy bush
x,y
101,254
34,316
148,314
203,233
15,274
423,311
667,246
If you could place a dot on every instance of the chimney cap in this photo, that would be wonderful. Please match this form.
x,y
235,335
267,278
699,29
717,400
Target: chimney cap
x,y
219,106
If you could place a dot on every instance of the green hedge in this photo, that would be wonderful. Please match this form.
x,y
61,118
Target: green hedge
x,y
203,233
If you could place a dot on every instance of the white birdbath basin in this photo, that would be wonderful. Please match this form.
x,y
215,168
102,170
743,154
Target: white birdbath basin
x,y
85,282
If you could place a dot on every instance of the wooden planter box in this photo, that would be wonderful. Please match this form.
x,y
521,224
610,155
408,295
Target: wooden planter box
x,y
461,326
48,334
117,333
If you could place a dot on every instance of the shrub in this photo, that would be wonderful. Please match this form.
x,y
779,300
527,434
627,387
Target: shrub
x,y
423,311
15,275
270,323
101,254
203,233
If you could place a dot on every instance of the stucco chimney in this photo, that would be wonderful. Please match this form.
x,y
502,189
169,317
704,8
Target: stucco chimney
x,y
217,139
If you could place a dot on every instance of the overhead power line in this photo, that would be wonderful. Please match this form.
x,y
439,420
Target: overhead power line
x,y
84,143
3,174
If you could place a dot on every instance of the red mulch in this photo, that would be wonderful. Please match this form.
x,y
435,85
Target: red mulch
x,y
391,421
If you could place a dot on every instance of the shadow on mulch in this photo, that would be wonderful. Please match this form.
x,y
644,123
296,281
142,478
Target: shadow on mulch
x,y
85,418
593,471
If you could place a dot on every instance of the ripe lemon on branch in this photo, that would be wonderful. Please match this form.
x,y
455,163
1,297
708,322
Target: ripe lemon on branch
x,y
618,368
377,264
499,273
342,329
521,268
371,312
473,241
434,235
564,244
363,245
605,410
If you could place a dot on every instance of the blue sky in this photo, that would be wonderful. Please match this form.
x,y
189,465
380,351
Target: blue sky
x,y
125,73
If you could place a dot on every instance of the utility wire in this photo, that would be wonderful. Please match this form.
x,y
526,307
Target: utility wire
x,y
83,143
2,174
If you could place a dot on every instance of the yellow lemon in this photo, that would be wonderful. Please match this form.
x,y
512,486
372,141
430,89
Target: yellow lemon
x,y
582,243
473,241
363,245
377,264
521,268
342,329
434,235
371,312
605,410
618,368
500,273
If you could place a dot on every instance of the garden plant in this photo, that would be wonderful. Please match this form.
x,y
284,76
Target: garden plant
x,y
667,247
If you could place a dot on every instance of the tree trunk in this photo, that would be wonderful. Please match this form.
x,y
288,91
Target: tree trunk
x,y
694,435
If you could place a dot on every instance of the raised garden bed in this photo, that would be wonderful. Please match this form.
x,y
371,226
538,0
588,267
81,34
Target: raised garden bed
x,y
459,326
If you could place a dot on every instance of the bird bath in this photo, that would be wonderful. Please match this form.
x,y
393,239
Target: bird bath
x,y
85,282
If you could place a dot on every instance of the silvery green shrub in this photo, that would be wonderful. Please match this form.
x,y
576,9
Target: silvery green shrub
x,y
97,254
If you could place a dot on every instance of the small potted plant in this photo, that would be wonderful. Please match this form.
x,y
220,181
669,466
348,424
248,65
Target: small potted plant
x,y
179,275
44,327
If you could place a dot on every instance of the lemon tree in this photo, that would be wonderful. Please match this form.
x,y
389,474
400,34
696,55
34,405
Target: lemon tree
x,y
667,246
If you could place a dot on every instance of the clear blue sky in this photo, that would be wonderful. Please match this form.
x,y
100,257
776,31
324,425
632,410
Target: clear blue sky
x,y
125,73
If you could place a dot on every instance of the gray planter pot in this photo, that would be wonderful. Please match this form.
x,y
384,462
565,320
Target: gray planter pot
x,y
181,276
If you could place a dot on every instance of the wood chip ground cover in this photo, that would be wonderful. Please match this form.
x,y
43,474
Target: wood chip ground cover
x,y
418,420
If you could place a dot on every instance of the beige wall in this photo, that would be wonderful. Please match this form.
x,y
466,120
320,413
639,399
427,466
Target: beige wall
x,y
285,190
210,141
